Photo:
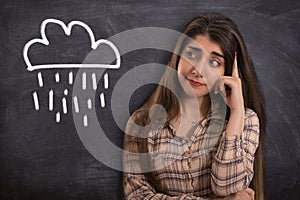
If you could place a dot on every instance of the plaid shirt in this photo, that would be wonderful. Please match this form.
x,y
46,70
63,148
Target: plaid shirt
x,y
180,169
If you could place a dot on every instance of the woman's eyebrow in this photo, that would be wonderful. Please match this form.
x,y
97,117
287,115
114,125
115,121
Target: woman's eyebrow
x,y
200,50
218,54
195,48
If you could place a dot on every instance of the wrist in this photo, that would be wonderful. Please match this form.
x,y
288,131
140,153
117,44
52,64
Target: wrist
x,y
235,124
239,109
237,105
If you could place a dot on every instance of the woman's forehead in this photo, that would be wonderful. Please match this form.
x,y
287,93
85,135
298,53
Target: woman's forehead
x,y
205,44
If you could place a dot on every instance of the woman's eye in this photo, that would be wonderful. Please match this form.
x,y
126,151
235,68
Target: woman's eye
x,y
214,63
191,55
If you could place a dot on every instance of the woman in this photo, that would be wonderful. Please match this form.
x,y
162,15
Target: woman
x,y
196,148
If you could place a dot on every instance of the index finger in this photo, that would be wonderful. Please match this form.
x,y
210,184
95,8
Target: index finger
x,y
235,72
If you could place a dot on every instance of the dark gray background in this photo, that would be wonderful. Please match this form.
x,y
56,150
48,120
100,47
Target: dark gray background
x,y
40,159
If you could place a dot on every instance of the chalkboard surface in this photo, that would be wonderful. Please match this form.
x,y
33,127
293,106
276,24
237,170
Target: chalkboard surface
x,y
42,156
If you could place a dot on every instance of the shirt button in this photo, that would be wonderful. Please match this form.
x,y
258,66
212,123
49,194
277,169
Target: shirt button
x,y
188,176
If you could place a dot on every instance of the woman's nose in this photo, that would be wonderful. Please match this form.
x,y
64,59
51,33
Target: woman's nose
x,y
196,72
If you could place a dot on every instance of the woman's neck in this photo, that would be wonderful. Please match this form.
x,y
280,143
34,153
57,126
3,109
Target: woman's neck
x,y
195,109
192,110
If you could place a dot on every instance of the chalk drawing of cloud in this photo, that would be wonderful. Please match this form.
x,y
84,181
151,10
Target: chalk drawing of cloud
x,y
67,29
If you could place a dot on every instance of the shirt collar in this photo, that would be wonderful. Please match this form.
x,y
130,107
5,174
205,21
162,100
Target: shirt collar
x,y
202,124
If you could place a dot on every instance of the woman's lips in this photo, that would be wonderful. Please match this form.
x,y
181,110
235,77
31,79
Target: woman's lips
x,y
195,83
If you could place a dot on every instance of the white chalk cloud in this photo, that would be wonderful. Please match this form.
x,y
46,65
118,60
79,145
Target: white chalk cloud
x,y
68,29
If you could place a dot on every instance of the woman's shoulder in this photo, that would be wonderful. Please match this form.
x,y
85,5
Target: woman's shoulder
x,y
249,113
251,117
140,125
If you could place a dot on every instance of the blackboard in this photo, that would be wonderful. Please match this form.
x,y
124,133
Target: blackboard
x,y
41,158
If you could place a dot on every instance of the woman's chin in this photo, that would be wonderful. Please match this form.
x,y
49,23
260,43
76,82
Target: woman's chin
x,y
196,93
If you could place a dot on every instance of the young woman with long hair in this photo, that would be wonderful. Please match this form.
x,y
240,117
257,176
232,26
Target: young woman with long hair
x,y
196,148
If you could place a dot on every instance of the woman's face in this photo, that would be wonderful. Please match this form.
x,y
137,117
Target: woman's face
x,y
201,64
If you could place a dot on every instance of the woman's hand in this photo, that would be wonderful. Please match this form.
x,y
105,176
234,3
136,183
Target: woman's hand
x,y
233,96
246,194
230,87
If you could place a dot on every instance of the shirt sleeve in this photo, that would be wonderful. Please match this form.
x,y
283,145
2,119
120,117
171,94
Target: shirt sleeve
x,y
232,166
135,183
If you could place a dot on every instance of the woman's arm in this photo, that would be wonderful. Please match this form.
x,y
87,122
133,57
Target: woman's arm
x,y
232,167
137,187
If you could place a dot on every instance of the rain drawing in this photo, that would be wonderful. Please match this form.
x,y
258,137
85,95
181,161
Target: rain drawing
x,y
86,79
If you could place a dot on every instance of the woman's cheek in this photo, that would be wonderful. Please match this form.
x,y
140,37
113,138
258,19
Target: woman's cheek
x,y
211,77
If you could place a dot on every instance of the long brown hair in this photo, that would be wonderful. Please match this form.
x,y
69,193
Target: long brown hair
x,y
224,32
